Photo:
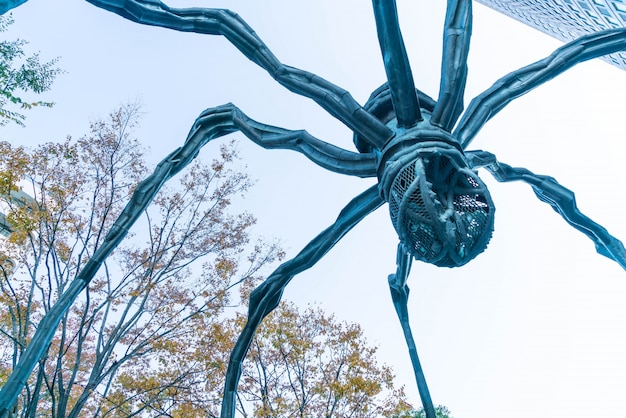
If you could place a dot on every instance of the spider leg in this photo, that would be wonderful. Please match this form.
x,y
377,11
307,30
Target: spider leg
x,y
267,296
228,118
5,6
559,197
400,296
456,43
335,100
397,68
484,106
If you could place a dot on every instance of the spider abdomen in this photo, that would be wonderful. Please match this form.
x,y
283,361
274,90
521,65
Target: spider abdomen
x,y
440,208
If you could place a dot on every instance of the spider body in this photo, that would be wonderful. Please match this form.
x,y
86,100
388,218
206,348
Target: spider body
x,y
440,208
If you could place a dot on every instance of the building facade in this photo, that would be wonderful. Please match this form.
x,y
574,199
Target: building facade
x,y
567,19
16,198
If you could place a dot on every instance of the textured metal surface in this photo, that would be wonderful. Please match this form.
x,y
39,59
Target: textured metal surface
x,y
441,210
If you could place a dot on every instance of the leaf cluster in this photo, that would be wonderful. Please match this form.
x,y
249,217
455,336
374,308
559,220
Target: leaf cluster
x,y
21,74
440,411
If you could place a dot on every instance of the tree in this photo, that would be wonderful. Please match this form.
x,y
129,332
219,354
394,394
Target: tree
x,y
301,364
310,365
21,74
149,335
173,273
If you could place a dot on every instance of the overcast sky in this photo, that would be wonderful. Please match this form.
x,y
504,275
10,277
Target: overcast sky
x,y
535,326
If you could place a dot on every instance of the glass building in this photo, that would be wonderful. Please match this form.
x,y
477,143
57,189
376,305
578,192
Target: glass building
x,y
567,19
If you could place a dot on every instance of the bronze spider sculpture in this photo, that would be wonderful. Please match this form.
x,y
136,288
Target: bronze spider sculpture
x,y
414,145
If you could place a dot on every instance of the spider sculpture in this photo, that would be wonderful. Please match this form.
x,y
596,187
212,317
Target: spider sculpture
x,y
414,145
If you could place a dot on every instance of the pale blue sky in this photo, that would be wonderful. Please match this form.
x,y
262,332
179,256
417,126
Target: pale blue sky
x,y
535,326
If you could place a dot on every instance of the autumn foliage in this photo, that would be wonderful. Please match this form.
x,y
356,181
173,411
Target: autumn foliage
x,y
152,333
309,364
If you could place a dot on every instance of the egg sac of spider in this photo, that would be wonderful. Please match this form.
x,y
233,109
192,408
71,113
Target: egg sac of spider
x,y
440,208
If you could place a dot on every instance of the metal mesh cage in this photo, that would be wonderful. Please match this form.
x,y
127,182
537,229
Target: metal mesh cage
x,y
441,210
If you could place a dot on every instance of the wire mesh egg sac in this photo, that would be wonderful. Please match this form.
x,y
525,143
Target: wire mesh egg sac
x,y
441,209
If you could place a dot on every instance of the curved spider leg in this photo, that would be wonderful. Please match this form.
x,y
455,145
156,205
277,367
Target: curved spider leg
x,y
229,118
396,61
400,296
211,124
484,106
559,197
456,43
267,296
7,5
335,100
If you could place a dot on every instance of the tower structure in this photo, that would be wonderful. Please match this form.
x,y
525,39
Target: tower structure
x,y
7,264
567,19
